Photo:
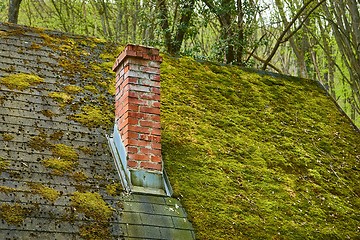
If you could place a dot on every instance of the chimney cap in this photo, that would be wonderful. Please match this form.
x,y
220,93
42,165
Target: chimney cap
x,y
137,51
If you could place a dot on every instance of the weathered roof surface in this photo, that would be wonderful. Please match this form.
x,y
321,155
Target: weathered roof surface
x,y
57,178
257,155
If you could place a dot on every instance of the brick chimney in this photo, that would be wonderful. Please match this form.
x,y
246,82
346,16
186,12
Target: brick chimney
x,y
137,113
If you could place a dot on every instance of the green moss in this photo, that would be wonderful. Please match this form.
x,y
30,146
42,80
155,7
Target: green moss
x,y
39,142
7,190
47,113
92,205
13,213
256,156
50,41
65,159
79,176
61,97
94,116
3,164
65,152
114,189
87,150
2,100
59,166
7,137
57,135
47,192
107,66
95,231
20,81
3,34
35,46
91,88
73,89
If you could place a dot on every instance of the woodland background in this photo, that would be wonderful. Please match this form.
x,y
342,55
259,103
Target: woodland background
x,y
318,39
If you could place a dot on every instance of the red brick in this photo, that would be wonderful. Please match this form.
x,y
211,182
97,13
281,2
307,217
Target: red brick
x,y
133,121
150,96
139,157
155,90
131,149
133,107
149,110
140,143
154,117
152,70
135,94
156,104
132,80
133,135
138,129
155,158
155,145
152,124
156,131
122,124
155,77
133,164
138,101
137,115
154,152
151,166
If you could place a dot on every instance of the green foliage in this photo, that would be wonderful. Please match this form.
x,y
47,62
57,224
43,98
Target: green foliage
x,y
254,156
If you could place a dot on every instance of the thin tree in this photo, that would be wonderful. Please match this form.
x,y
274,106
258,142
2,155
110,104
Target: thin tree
x,y
13,14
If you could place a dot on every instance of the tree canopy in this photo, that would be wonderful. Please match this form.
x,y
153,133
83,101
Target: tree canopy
x,y
315,39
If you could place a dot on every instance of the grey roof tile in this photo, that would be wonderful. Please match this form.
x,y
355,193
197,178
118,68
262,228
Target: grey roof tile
x,y
135,216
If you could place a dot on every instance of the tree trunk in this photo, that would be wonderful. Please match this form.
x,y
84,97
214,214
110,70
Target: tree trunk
x,y
14,7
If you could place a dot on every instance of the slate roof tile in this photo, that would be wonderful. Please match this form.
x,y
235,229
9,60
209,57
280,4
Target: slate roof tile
x,y
34,123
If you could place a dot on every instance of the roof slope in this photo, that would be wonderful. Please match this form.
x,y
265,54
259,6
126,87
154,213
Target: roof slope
x,y
256,156
57,177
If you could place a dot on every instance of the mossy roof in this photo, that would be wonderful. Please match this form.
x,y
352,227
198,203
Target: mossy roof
x,y
57,176
251,155
255,155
